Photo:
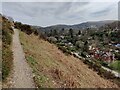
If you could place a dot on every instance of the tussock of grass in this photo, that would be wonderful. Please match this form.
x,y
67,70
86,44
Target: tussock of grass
x,y
31,60
41,80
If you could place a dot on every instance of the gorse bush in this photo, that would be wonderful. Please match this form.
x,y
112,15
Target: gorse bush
x,y
6,38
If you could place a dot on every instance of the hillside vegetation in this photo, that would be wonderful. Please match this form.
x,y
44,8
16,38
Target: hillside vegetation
x,y
6,47
52,68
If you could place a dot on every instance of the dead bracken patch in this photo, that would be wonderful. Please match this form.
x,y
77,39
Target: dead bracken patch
x,y
66,81
70,82
57,73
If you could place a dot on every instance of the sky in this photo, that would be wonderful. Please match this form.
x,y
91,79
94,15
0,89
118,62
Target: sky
x,y
47,12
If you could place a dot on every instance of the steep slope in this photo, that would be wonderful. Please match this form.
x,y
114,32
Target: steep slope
x,y
52,68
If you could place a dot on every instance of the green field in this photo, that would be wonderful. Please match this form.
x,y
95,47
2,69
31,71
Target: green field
x,y
115,65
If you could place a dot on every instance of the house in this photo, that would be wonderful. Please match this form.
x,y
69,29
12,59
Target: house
x,y
62,37
106,56
117,45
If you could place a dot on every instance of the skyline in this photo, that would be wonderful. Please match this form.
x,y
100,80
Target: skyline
x,y
52,13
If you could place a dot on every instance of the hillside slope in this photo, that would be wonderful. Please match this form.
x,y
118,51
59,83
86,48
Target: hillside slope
x,y
52,68
7,57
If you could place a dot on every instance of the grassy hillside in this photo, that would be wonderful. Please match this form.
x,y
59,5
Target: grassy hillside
x,y
6,47
52,68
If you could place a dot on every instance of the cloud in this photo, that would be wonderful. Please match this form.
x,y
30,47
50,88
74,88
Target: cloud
x,y
50,13
59,0
0,7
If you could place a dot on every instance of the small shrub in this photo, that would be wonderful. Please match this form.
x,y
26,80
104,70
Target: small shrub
x,y
108,75
36,33
83,54
52,39
64,50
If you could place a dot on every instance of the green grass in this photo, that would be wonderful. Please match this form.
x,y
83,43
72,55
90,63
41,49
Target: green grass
x,y
115,65
31,60
39,78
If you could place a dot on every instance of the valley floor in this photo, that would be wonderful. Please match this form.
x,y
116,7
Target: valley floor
x,y
52,68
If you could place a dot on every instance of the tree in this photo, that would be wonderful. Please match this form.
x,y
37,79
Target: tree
x,y
55,33
51,33
62,31
79,44
79,33
85,48
52,39
71,32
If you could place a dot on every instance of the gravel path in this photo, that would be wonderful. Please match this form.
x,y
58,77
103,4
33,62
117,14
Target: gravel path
x,y
22,73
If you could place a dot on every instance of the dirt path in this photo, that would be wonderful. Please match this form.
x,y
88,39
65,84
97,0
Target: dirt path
x,y
22,74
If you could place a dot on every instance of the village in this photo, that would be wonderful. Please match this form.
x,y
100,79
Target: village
x,y
95,52
105,57
86,45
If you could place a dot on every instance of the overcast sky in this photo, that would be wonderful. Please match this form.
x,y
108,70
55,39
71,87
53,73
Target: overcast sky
x,y
51,13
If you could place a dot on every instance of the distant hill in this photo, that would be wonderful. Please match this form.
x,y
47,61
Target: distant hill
x,y
94,24
113,25
82,26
